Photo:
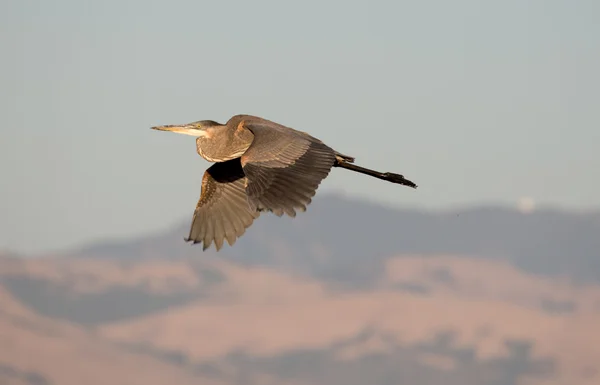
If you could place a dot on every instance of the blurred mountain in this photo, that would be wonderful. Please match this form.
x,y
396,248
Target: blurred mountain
x,y
36,350
347,293
440,320
334,237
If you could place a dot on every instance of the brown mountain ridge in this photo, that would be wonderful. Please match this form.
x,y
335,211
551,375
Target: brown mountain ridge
x,y
397,310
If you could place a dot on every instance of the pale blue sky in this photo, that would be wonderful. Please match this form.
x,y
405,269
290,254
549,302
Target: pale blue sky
x,y
476,101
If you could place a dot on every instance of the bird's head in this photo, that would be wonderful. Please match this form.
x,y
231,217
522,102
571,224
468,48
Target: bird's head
x,y
199,128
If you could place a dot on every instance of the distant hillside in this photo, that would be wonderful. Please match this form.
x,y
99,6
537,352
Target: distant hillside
x,y
332,239
347,293
437,321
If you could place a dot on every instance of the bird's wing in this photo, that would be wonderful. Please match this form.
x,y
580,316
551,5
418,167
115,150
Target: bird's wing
x,y
223,211
284,167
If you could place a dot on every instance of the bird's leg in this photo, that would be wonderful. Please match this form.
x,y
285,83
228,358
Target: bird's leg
x,y
388,176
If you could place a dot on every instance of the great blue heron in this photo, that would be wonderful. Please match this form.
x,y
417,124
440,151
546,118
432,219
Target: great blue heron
x,y
260,166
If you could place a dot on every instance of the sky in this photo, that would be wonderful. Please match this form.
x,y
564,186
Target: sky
x,y
478,102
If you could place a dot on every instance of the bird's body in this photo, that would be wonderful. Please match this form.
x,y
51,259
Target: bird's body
x,y
260,166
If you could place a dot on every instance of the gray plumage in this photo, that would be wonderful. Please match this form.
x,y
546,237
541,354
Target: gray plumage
x,y
260,166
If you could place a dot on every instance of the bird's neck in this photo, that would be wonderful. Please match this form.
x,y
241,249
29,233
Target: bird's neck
x,y
223,144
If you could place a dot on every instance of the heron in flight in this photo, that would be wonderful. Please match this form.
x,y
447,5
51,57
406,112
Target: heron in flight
x,y
260,166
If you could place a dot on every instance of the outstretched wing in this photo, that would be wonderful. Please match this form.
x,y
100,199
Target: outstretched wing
x,y
223,211
284,167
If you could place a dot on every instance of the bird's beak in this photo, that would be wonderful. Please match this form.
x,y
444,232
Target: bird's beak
x,y
184,129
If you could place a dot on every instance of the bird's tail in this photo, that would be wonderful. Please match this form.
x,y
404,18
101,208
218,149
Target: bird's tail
x,y
344,158
388,176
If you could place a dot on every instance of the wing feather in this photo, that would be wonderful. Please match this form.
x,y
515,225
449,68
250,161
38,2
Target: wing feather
x,y
223,211
284,167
